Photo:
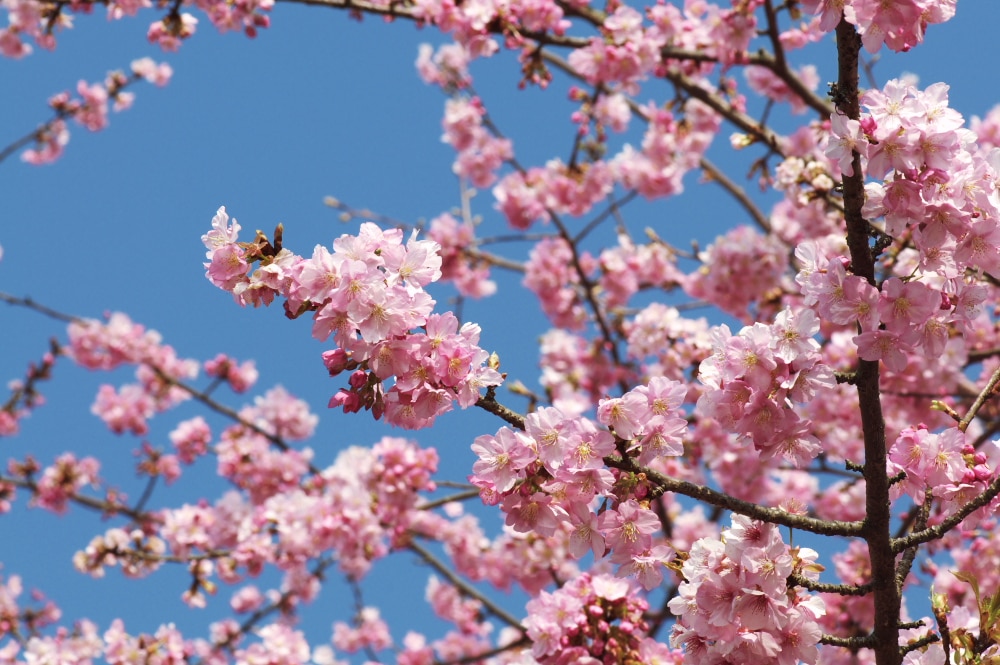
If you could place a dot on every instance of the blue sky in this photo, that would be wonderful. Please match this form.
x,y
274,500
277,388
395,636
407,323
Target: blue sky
x,y
317,105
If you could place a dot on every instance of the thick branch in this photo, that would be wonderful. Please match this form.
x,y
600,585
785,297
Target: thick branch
x,y
852,643
877,504
840,589
490,403
721,500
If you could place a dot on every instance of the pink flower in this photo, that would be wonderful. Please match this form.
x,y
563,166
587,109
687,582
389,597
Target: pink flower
x,y
191,438
63,480
447,67
127,409
648,566
50,142
279,645
625,414
586,535
794,332
884,345
502,458
549,427
247,599
628,529
223,232
370,632
904,306
534,513
850,139
170,35
240,376
93,112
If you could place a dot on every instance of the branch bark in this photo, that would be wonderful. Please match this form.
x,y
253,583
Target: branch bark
x,y
876,530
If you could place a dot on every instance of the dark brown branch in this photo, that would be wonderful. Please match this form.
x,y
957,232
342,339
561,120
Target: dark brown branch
x,y
878,513
840,589
612,210
778,65
727,111
490,403
929,638
712,497
940,529
25,140
852,643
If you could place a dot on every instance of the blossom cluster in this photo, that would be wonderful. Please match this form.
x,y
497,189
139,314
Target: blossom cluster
x,y
359,507
676,343
946,464
740,269
91,107
368,293
628,267
939,193
104,346
276,643
560,456
550,273
593,619
34,19
898,25
580,478
735,605
670,148
480,153
575,371
239,376
940,187
61,481
754,376
470,276
447,66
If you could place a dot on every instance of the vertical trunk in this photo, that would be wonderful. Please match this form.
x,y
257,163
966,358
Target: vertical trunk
x,y
877,520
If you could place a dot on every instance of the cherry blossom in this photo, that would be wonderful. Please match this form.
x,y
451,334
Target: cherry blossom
x,y
825,367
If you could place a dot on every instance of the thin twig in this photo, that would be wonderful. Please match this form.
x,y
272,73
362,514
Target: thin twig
x,y
981,398
464,587
28,303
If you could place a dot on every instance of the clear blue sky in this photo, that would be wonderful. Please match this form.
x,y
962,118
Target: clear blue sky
x,y
316,105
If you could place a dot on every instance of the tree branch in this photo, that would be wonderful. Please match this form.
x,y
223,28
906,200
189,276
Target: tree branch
x,y
878,513
464,587
712,497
